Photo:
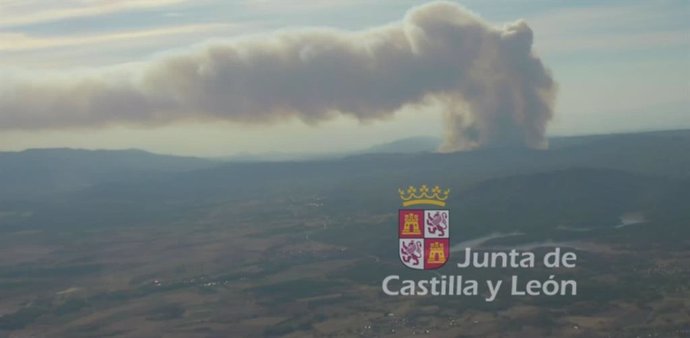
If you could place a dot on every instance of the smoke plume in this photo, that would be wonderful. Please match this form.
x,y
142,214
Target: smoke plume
x,y
493,89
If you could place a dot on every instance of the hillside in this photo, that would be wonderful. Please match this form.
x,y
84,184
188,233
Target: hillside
x,y
103,243
38,172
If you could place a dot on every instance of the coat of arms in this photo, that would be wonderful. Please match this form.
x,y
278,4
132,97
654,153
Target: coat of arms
x,y
424,234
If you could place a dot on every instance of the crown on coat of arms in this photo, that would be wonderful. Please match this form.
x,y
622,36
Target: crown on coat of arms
x,y
435,196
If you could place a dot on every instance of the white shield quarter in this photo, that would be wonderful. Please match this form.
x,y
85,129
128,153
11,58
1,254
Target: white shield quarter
x,y
436,223
412,252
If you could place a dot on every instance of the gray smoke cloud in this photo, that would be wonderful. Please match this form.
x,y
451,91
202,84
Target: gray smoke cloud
x,y
492,87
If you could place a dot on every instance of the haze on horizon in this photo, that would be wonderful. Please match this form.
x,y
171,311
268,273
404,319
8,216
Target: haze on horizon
x,y
620,66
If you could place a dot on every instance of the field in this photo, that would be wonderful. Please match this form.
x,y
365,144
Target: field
x,y
300,248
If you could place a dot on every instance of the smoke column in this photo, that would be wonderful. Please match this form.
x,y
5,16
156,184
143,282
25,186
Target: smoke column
x,y
493,89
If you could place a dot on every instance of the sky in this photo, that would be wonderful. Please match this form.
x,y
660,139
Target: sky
x,y
619,66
